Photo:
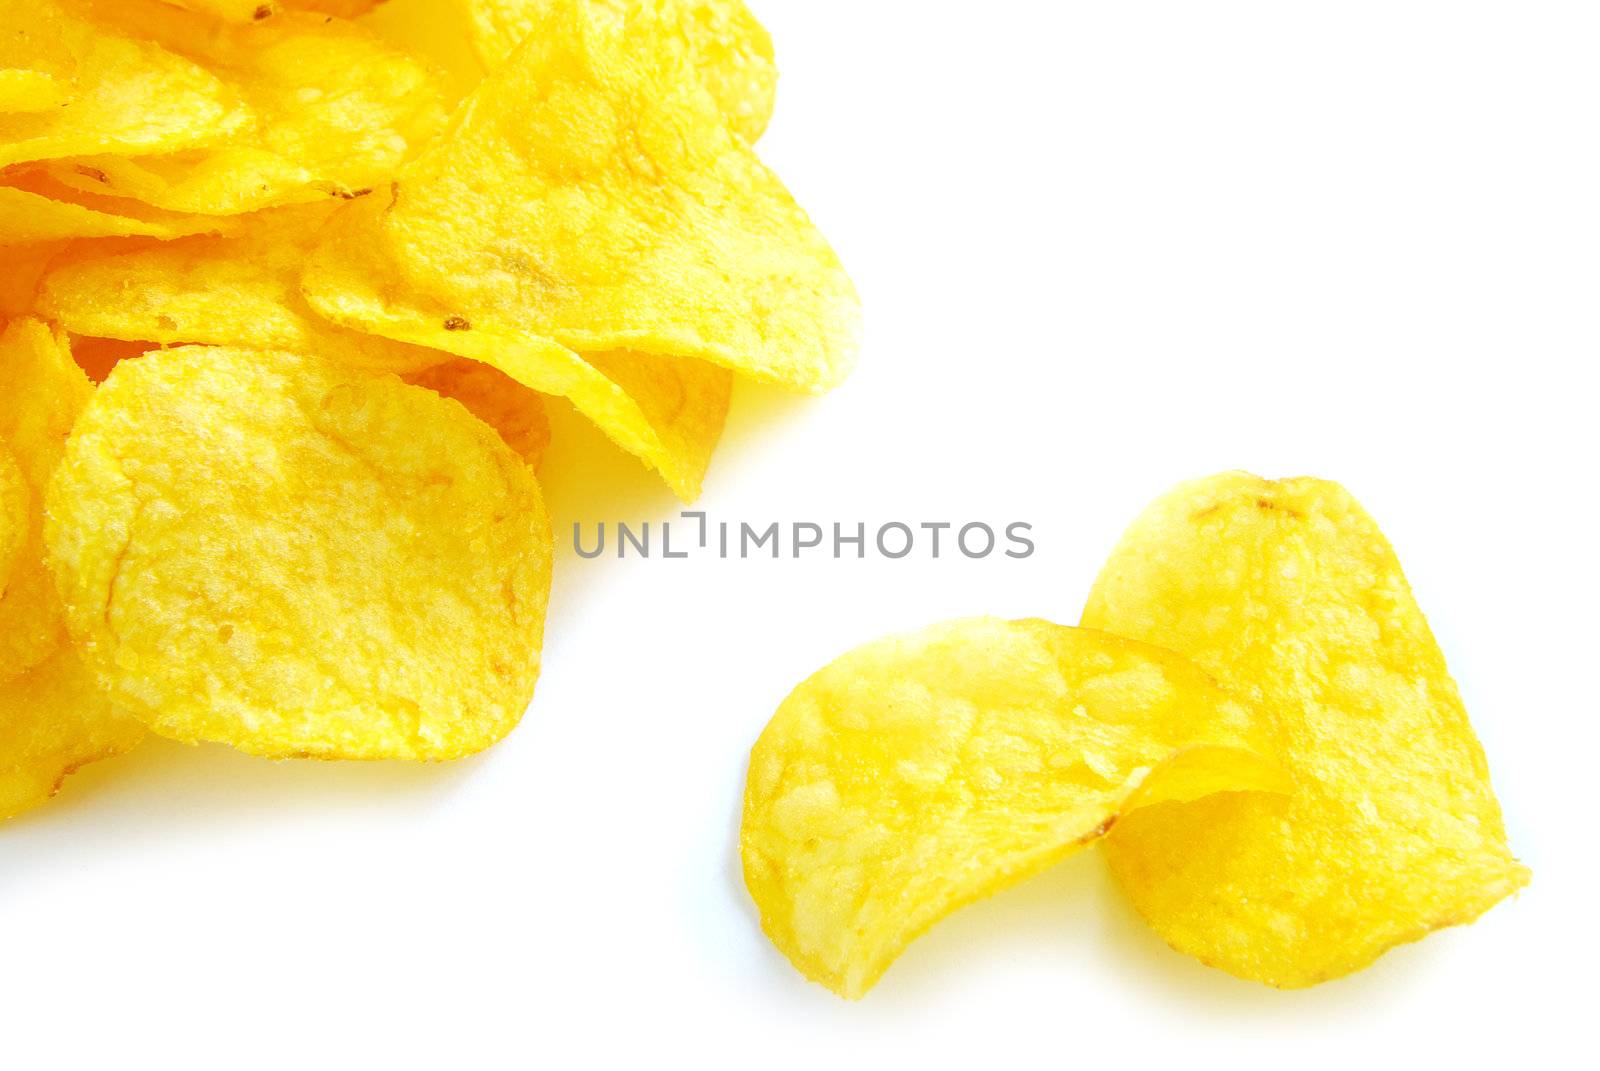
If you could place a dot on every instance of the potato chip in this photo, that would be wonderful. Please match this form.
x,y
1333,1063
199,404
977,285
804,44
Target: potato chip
x,y
922,772
508,407
278,553
235,290
445,43
131,96
334,110
44,391
37,66
53,720
731,50
667,412
16,511
589,193
1289,594
22,268
28,217
258,10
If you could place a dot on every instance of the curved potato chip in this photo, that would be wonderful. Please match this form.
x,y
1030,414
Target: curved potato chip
x,y
508,407
53,720
273,552
589,193
667,412
227,180
335,111
732,51
16,512
44,392
132,96
1290,595
27,217
922,772
240,290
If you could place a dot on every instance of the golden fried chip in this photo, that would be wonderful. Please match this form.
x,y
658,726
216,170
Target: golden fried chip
x,y
668,412
27,217
277,553
237,290
922,772
508,407
731,50
1289,594
43,393
589,193
131,96
334,111
22,268
53,720
37,66
16,513
258,10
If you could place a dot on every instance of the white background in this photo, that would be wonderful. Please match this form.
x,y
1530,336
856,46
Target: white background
x,y
1103,247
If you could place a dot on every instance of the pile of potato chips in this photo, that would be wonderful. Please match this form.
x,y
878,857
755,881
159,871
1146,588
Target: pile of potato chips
x,y
1254,719
325,285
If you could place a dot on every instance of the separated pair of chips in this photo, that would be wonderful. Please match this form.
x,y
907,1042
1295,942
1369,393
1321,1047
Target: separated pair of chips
x,y
1254,719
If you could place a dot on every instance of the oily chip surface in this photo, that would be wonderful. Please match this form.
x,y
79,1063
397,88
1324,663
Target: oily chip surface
x,y
274,552
589,193
43,393
1290,595
922,772
54,719
731,50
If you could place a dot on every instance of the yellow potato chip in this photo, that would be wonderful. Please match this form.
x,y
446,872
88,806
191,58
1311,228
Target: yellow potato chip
x,y
445,42
24,90
590,194
508,407
1289,594
731,50
53,720
334,111
667,412
43,393
16,512
37,66
22,268
28,217
277,553
922,772
131,96
258,10
240,289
